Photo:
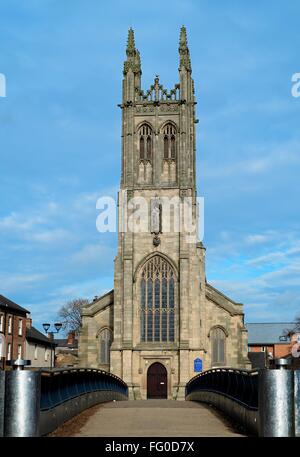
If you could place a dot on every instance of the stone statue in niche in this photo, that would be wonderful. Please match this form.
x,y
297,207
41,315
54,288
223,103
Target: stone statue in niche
x,y
156,220
156,216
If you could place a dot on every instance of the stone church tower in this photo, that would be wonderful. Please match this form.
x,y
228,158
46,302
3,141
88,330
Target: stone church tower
x,y
163,321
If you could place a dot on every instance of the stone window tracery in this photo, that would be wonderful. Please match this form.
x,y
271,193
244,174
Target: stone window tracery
x,y
145,134
145,151
157,301
169,153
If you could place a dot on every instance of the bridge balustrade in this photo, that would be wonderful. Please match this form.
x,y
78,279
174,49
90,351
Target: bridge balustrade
x,y
35,403
232,390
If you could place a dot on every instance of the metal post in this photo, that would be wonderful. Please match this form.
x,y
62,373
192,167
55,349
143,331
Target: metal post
x,y
2,396
22,401
276,401
297,402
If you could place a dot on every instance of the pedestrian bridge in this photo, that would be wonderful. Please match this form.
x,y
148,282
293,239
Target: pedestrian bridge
x,y
149,418
219,402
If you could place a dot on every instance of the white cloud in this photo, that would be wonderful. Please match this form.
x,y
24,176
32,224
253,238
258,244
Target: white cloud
x,y
267,284
49,236
86,202
257,238
20,222
258,161
10,283
93,254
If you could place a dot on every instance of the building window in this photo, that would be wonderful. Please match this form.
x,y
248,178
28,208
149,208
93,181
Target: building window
x,y
105,343
169,133
20,324
145,142
35,352
157,301
46,355
218,338
19,351
1,322
9,328
8,351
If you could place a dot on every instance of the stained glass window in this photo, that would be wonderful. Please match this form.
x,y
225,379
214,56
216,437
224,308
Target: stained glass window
x,y
157,301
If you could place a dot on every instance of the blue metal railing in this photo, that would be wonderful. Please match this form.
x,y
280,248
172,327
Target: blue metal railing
x,y
238,385
61,385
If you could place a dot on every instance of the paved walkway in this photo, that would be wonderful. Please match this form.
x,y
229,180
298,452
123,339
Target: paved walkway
x,y
155,418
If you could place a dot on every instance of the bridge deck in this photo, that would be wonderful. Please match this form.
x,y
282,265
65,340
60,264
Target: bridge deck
x,y
150,418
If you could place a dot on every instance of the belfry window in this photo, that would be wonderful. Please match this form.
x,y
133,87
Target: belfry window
x,y
105,338
218,337
157,301
169,133
145,142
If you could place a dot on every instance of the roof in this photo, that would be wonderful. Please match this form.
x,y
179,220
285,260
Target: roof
x,y
63,343
267,333
98,304
6,303
32,334
222,300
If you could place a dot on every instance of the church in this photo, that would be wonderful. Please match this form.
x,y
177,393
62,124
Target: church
x,y
163,322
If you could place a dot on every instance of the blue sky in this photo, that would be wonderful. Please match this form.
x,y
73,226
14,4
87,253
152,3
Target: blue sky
x,y
60,143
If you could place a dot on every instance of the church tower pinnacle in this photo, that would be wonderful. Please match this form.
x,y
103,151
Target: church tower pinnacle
x,y
184,53
132,69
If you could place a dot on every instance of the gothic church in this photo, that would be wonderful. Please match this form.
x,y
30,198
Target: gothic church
x,y
162,322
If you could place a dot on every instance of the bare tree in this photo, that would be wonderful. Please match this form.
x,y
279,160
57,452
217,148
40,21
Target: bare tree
x,y
70,314
295,329
297,324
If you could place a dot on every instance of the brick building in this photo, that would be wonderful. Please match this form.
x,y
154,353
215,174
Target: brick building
x,y
13,327
273,340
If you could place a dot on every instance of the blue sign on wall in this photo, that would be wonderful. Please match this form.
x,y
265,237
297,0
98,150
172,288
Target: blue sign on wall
x,y
198,365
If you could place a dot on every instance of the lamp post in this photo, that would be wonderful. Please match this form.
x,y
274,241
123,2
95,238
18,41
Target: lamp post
x,y
58,326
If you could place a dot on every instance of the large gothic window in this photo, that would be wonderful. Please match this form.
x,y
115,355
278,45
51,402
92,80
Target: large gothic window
x,y
145,142
218,337
105,338
169,133
157,301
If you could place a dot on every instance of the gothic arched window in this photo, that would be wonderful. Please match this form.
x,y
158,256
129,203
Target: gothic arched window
x,y
218,338
142,148
145,142
105,338
169,133
157,301
166,147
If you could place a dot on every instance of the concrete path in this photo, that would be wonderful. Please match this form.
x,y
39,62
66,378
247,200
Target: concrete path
x,y
155,418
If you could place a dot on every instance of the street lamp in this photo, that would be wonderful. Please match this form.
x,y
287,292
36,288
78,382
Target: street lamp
x,y
58,326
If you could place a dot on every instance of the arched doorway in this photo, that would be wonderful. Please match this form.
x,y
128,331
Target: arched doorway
x,y
157,381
